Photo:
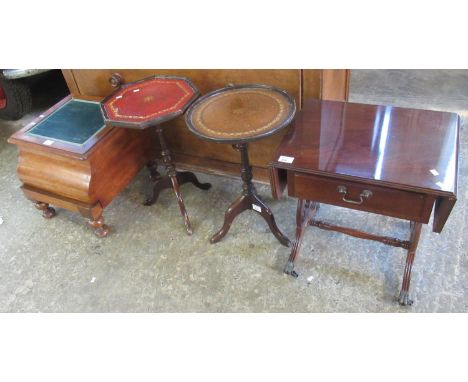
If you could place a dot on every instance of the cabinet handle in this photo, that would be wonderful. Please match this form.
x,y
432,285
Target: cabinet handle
x,y
364,195
115,80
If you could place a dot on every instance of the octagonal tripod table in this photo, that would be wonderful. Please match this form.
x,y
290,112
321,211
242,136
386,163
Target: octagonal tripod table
x,y
238,115
148,103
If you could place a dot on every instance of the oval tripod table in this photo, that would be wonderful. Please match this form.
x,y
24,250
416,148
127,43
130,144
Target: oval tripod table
x,y
238,115
148,103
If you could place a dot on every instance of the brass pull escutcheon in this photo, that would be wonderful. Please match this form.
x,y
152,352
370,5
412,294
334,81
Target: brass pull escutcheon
x,y
364,195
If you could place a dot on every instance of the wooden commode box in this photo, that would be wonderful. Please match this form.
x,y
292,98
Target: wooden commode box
x,y
68,158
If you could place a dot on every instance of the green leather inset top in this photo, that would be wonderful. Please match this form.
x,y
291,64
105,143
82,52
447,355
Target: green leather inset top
x,y
75,122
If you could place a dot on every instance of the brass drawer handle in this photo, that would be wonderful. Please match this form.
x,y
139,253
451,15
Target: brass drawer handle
x,y
364,195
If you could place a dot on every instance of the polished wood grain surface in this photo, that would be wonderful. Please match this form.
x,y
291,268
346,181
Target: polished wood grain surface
x,y
81,181
386,160
407,205
405,148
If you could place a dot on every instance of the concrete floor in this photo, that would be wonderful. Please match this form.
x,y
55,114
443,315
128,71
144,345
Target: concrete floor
x,y
148,263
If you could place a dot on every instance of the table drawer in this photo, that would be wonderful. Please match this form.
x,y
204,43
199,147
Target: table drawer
x,y
359,196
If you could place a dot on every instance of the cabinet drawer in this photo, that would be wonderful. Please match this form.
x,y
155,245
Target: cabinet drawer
x,y
359,196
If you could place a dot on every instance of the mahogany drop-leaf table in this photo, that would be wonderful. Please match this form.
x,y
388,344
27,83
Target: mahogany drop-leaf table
x,y
386,160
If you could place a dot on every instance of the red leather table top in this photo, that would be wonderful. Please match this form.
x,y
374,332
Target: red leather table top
x,y
148,102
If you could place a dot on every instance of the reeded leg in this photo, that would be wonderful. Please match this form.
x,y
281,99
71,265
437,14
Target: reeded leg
x,y
239,205
415,235
270,219
183,211
100,229
304,214
152,167
47,211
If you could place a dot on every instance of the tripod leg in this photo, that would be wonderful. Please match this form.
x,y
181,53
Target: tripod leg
x,y
269,218
171,179
152,167
239,205
190,177
161,184
183,211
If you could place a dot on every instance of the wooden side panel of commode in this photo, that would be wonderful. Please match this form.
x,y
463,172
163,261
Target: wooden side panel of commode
x,y
117,159
57,174
83,182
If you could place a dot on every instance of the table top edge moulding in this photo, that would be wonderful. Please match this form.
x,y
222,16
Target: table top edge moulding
x,y
24,136
209,135
111,112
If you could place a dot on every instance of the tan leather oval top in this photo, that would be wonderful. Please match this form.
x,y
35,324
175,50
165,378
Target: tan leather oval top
x,y
241,113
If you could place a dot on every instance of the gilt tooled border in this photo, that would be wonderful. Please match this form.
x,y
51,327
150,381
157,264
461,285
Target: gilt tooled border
x,y
116,113
203,106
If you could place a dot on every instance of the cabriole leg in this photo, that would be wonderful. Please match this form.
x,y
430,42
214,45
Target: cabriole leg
x,y
239,205
189,177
